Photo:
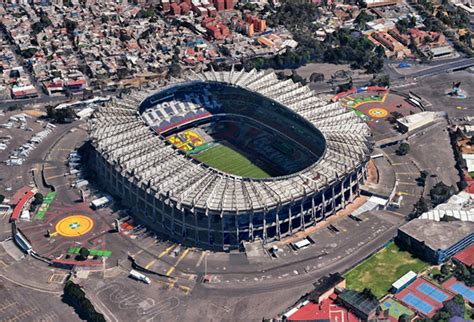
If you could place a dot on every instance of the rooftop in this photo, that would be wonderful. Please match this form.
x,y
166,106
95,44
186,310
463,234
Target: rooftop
x,y
325,283
466,256
326,311
438,234
359,300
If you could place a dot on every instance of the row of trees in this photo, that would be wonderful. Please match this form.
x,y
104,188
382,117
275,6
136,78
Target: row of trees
x,y
439,194
75,297
62,115
452,308
38,200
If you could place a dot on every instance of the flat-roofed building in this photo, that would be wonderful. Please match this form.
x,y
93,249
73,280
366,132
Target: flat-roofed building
x,y
440,233
403,281
325,286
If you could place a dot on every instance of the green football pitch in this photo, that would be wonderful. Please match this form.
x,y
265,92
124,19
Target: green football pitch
x,y
228,160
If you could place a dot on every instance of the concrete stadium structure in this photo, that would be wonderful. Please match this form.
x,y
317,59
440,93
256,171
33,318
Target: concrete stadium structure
x,y
171,192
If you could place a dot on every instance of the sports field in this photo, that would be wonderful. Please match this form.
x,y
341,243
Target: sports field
x,y
228,160
380,270
396,309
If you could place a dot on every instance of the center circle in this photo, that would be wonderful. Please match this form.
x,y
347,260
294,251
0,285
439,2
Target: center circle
x,y
74,226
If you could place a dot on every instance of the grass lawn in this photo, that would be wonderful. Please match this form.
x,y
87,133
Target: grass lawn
x,y
380,270
228,160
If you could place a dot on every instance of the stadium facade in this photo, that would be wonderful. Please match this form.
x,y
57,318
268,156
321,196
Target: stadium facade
x,y
315,151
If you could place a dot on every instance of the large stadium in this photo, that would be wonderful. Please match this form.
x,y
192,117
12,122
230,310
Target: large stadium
x,y
221,158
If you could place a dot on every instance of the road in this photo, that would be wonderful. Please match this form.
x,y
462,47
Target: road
x,y
304,279
49,100
444,67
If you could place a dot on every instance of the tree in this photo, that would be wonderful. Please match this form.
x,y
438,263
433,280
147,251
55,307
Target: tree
x,y
440,193
2,197
404,318
419,208
445,270
403,148
61,115
378,310
297,78
316,77
362,19
83,253
380,51
38,198
71,25
458,299
422,178
75,297
367,292
175,69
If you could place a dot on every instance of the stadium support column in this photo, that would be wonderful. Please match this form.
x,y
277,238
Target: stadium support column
x,y
277,219
343,195
196,230
313,211
351,195
323,202
333,199
172,218
302,223
290,221
208,229
264,233
222,229
251,226
237,228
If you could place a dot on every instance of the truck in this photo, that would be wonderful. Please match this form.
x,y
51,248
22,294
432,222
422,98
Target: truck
x,y
139,276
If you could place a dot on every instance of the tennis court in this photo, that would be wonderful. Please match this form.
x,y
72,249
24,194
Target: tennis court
x,y
432,292
423,297
417,303
464,291
460,288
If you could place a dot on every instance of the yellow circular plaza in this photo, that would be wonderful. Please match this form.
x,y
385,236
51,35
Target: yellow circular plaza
x,y
378,112
74,226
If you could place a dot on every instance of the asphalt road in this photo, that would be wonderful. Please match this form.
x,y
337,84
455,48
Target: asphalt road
x,y
444,67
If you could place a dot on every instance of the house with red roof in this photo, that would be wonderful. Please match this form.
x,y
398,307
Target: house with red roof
x,y
466,256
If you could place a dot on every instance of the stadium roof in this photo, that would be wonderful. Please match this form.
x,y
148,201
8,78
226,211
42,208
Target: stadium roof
x,y
121,135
